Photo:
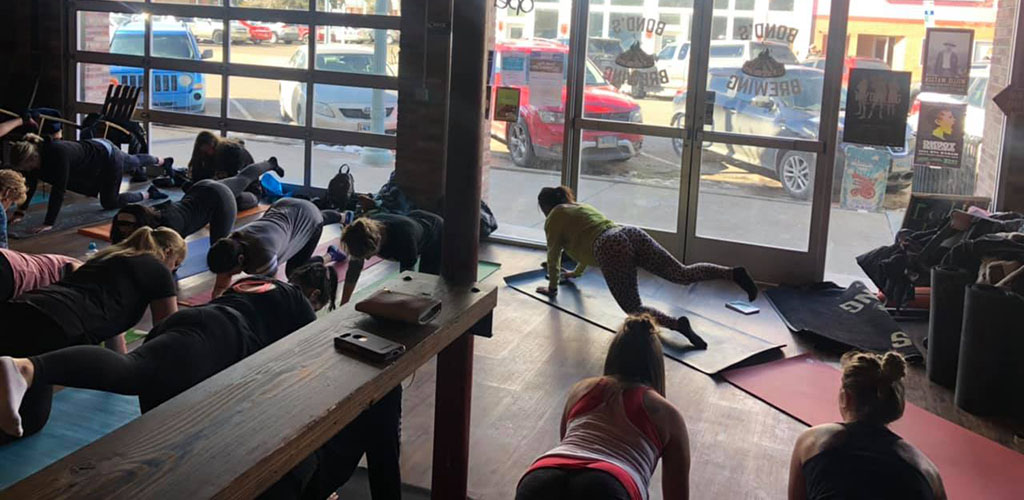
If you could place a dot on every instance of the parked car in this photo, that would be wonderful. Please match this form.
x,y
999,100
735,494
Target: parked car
x,y
209,30
338,107
281,32
538,133
258,33
171,90
674,59
339,34
792,116
849,63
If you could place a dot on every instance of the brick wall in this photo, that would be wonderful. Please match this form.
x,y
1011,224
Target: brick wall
x,y
31,41
991,146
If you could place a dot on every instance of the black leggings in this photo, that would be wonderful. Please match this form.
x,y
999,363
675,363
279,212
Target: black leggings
x,y
6,279
306,253
245,178
123,163
570,484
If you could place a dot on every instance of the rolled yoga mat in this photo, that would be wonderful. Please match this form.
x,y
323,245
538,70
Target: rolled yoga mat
x,y
588,298
971,466
945,322
990,375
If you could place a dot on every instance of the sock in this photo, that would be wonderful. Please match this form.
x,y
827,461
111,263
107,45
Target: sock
x,y
336,254
743,279
12,390
683,327
156,194
168,166
277,168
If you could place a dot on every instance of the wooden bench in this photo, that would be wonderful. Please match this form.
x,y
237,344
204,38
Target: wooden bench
x,y
235,434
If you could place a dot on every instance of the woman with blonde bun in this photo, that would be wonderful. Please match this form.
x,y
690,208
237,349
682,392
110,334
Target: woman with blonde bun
x,y
860,458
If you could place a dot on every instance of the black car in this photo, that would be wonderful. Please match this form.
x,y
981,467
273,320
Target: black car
x,y
785,106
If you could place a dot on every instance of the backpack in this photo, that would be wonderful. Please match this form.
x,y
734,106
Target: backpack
x,y
341,191
488,223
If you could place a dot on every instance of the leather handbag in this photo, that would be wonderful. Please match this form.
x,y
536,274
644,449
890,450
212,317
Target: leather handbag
x,y
402,307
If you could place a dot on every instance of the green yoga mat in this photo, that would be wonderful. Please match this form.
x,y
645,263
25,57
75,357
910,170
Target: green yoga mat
x,y
484,270
66,431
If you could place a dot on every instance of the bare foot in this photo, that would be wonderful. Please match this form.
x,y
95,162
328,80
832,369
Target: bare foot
x,y
12,390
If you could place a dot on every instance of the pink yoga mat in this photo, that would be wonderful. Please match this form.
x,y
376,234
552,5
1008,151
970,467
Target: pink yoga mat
x,y
971,465
205,296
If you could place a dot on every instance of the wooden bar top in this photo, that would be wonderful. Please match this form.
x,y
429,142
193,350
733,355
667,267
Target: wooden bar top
x,y
236,433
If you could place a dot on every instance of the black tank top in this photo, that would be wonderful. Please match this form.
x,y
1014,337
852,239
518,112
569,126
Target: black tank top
x,y
864,465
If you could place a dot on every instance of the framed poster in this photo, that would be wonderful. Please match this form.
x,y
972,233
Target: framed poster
x,y
864,179
547,78
947,60
940,135
507,108
877,104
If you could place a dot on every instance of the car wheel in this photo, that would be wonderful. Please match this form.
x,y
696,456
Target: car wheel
x,y
677,142
218,37
520,146
273,38
796,172
287,42
257,42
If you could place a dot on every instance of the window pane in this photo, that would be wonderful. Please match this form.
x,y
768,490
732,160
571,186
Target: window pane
x,y
780,5
376,7
96,31
264,44
633,179
260,99
744,5
721,4
290,153
272,4
686,4
546,24
353,109
371,166
718,28
174,141
742,27
787,106
596,24
93,80
627,2
352,50
207,35
185,92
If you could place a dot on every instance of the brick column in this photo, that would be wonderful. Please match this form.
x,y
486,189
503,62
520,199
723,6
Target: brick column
x,y
999,78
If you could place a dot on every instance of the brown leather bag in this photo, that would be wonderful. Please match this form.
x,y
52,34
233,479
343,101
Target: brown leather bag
x,y
398,306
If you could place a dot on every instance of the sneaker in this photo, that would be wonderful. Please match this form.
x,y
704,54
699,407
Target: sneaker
x,y
156,194
336,254
277,168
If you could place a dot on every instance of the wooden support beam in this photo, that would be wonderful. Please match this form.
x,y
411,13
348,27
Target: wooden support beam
x,y
239,431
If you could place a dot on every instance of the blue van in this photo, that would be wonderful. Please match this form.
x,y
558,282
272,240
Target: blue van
x,y
171,90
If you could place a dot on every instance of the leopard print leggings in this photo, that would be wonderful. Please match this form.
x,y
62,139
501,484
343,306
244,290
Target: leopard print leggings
x,y
620,251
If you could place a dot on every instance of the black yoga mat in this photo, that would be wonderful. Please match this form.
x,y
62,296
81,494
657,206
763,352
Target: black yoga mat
x,y
588,298
990,375
850,316
945,322
82,212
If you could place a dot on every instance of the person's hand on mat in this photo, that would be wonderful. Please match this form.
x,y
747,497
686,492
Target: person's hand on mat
x,y
18,217
550,292
40,229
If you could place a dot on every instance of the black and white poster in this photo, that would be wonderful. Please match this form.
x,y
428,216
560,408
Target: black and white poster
x,y
947,60
940,135
877,103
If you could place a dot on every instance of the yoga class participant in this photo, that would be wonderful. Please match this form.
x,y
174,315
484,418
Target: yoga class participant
x,y
92,167
593,240
402,238
23,272
206,202
289,231
187,348
215,157
12,192
861,457
615,428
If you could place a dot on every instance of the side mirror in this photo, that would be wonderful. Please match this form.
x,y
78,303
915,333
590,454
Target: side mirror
x,y
207,54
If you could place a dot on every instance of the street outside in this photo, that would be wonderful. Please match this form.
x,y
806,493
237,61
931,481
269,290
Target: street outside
x,y
643,190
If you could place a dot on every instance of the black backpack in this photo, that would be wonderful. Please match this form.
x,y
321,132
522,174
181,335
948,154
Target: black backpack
x,y
341,191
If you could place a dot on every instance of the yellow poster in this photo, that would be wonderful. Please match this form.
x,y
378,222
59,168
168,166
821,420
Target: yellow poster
x,y
507,108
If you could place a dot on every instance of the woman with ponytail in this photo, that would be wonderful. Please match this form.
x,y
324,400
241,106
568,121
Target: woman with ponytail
x,y
591,239
90,167
861,458
187,348
615,428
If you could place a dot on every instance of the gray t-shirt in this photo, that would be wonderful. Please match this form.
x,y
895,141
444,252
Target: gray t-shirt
x,y
283,231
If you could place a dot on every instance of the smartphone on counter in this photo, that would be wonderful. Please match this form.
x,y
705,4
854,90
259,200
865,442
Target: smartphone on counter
x,y
368,346
742,307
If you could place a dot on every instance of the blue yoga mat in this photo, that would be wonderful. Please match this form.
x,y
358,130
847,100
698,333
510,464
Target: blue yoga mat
x,y
78,417
195,261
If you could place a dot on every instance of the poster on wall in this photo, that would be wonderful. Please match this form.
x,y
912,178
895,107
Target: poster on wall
x,y
513,70
864,179
947,60
507,109
877,103
547,78
940,135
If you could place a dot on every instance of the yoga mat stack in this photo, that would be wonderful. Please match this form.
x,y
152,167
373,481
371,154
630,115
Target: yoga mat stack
x,y
945,323
990,374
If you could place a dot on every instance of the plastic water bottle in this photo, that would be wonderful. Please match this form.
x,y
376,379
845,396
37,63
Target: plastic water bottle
x,y
92,249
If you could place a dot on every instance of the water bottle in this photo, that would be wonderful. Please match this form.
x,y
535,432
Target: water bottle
x,y
92,249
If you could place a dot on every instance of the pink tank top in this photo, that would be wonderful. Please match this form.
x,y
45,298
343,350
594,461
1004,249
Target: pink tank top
x,y
32,271
609,429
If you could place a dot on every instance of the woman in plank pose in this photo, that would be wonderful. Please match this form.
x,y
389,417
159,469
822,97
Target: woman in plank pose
x,y
615,428
91,167
861,457
592,239
208,201
185,349
24,272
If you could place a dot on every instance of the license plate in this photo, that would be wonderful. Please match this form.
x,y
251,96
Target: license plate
x,y
607,141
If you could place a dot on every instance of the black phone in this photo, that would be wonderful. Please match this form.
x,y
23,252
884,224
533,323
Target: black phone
x,y
368,346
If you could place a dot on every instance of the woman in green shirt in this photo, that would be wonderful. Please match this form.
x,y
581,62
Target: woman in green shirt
x,y
593,240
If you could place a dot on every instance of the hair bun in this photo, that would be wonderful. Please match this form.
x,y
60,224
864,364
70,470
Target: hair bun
x,y
642,324
894,367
